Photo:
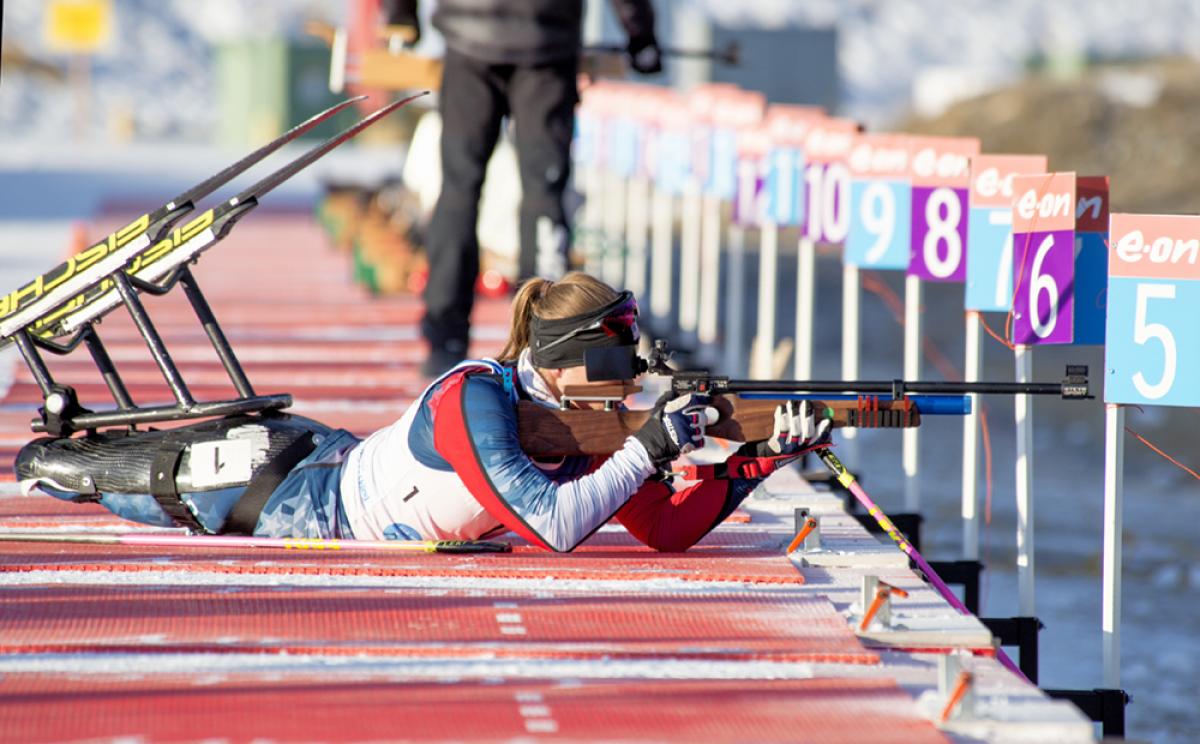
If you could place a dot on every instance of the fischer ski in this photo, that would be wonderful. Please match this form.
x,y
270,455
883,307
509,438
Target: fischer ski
x,y
67,283
156,259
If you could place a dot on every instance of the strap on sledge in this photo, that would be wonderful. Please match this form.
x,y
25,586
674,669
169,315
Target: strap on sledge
x,y
243,518
162,485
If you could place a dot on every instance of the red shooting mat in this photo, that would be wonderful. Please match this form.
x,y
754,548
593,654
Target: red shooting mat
x,y
414,622
46,707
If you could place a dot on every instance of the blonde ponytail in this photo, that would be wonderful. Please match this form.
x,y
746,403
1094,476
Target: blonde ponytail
x,y
574,294
528,296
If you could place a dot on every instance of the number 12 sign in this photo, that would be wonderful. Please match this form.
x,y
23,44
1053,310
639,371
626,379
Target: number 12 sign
x,y
1152,344
940,170
1043,258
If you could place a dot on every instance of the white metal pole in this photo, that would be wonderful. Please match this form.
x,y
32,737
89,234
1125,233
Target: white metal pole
x,y
735,297
1114,488
912,371
636,235
1024,485
768,264
806,281
689,261
710,279
613,261
662,258
851,322
970,471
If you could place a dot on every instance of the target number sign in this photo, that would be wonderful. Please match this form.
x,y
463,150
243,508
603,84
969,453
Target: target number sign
x,y
1152,340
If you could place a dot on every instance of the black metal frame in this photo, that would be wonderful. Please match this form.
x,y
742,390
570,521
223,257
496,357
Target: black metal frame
x,y
61,413
1102,705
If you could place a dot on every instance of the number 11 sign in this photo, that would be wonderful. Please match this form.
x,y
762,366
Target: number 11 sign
x,y
1152,344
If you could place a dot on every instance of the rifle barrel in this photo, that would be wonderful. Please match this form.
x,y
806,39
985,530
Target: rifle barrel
x,y
881,387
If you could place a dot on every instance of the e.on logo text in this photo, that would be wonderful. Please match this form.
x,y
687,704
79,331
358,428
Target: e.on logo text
x,y
927,163
1044,202
1155,246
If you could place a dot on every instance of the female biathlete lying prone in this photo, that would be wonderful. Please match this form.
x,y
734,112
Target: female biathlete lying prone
x,y
452,466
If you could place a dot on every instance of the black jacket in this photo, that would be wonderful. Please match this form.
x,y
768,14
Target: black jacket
x,y
522,32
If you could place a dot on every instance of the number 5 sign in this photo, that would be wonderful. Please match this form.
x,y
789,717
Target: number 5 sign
x,y
1043,258
940,171
1152,346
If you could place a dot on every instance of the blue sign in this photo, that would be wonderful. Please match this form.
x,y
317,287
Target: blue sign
x,y
880,223
722,171
1152,353
1091,283
990,262
784,186
624,155
1152,339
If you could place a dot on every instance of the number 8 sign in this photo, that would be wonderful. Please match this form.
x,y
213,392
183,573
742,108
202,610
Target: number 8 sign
x,y
940,169
1152,344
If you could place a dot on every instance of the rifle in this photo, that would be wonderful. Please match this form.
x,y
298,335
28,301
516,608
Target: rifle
x,y
745,409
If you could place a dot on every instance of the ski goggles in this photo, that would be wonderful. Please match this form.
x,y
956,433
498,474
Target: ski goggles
x,y
560,343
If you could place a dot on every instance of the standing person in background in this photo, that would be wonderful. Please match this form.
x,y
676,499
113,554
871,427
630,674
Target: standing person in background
x,y
520,59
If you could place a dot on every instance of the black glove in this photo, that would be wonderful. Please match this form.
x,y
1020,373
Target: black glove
x,y
644,55
400,17
796,429
675,427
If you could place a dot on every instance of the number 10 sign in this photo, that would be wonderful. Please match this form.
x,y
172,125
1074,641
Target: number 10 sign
x,y
1152,344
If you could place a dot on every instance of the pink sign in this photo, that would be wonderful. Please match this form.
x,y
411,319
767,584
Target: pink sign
x,y
942,161
1042,203
992,176
789,125
829,140
879,156
1150,246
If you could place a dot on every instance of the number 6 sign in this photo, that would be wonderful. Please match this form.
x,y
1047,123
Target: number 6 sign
x,y
1152,344
940,170
1043,258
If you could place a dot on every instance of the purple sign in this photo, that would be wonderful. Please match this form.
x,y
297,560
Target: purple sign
x,y
938,250
749,201
1044,277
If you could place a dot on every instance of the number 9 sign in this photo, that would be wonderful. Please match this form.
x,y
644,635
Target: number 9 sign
x,y
1152,342
879,202
940,170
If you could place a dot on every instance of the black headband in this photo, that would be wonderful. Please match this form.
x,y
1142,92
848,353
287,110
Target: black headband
x,y
560,343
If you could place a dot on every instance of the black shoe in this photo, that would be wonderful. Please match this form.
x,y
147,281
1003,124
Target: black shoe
x,y
440,360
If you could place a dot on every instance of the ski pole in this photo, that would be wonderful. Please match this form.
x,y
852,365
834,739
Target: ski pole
x,y
848,481
237,541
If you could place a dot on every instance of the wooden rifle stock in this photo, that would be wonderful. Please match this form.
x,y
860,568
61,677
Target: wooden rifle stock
x,y
550,432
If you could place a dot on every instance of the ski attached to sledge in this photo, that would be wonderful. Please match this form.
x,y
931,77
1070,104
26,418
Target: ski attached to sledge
x,y
155,259
65,284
